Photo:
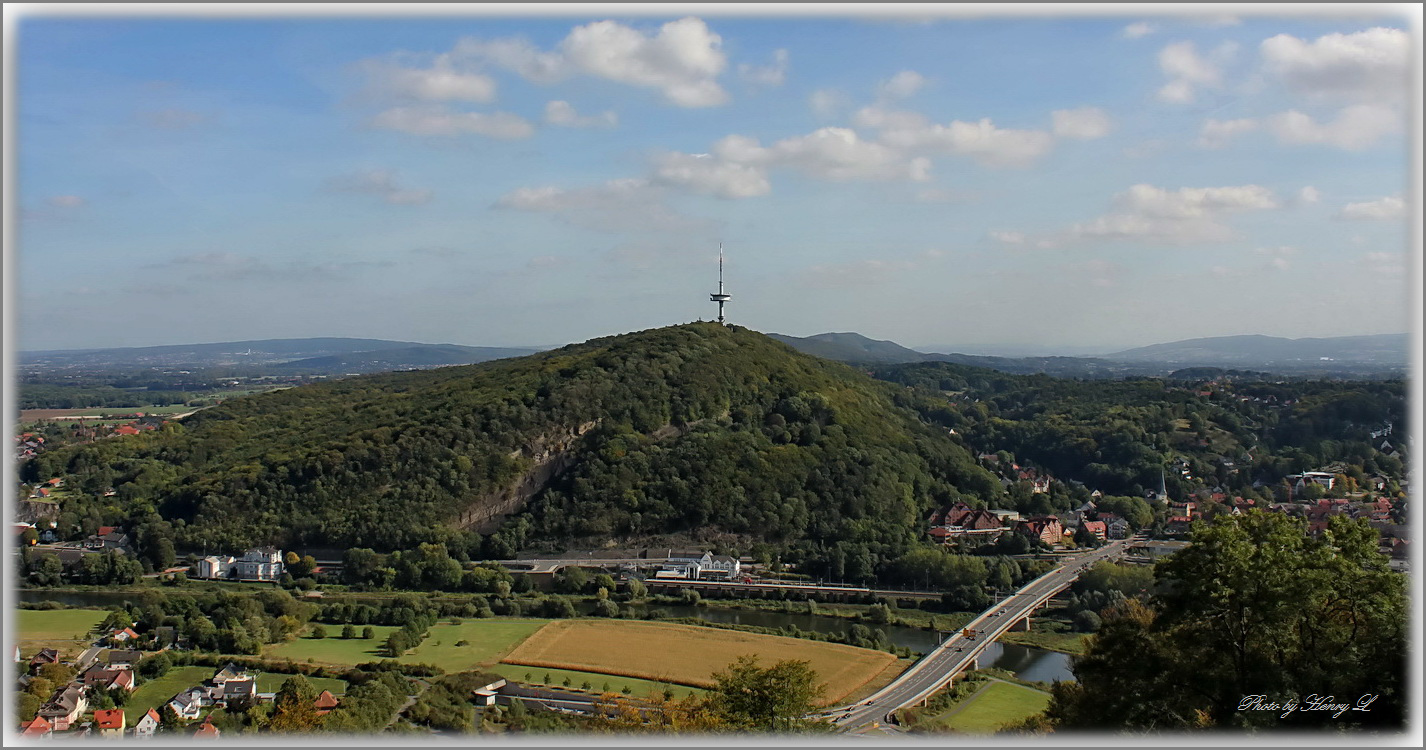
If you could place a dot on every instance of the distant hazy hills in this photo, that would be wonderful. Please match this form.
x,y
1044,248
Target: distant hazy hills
x,y
1344,355
310,355
1387,348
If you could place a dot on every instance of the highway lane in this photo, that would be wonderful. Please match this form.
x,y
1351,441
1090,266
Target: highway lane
x,y
957,652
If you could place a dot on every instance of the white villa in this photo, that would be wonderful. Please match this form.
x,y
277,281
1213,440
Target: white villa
x,y
258,564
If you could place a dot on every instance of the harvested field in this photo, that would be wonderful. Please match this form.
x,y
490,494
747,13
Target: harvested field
x,y
688,654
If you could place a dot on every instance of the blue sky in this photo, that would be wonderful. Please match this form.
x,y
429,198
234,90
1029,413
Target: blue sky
x,y
1060,183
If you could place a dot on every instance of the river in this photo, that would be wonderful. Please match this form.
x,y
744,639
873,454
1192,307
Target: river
x,y
1025,662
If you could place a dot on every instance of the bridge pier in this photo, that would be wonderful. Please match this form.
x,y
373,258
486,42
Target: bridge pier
x,y
1023,625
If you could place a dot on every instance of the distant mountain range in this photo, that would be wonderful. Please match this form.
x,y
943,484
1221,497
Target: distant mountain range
x,y
309,355
1343,355
1383,354
1387,348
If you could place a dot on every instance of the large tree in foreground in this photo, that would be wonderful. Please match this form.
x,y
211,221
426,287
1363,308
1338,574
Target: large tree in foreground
x,y
1253,613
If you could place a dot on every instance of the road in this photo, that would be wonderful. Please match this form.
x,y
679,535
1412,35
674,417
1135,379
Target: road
x,y
958,652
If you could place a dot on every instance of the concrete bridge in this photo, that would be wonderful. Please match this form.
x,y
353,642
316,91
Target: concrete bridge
x,y
824,592
959,653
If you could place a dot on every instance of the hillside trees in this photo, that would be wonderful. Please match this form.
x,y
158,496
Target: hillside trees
x,y
1253,608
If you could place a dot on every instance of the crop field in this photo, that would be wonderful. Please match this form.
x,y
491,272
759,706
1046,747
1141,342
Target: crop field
x,y
998,704
66,630
485,642
688,654
155,693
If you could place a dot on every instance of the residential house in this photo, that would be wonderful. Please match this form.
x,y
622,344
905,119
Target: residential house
x,y
65,708
108,679
257,564
1117,528
1006,517
207,731
118,658
260,564
215,566
188,704
1100,531
1299,482
45,656
110,722
325,702
39,728
1178,525
120,636
147,725
1045,528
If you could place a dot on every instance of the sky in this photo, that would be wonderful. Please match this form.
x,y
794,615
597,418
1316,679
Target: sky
x,y
1061,183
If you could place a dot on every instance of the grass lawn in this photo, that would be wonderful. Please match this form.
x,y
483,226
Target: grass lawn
x,y
334,650
155,693
999,704
688,654
488,641
270,682
66,630
1067,643
637,688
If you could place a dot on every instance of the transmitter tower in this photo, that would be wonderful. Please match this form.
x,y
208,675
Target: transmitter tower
x,y
720,297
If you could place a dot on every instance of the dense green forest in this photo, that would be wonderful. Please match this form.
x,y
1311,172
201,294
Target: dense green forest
x,y
1118,435
698,429
701,434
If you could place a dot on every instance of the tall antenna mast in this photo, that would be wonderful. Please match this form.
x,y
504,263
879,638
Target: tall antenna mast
x,y
720,297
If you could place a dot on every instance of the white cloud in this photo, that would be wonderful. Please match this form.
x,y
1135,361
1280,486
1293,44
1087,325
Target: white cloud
x,y
445,122
827,102
1355,127
1369,64
708,175
1137,30
66,201
770,76
901,85
441,82
1187,70
982,140
381,183
1389,208
1084,123
1217,133
827,153
1309,194
1186,215
682,60
562,113
1008,238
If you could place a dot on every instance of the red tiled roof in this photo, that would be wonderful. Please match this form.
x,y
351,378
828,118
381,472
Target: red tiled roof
x,y
38,727
326,701
109,718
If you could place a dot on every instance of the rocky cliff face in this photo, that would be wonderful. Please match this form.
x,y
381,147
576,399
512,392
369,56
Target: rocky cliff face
x,y
547,457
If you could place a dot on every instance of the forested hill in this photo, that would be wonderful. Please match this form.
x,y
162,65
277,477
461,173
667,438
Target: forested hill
x,y
697,429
